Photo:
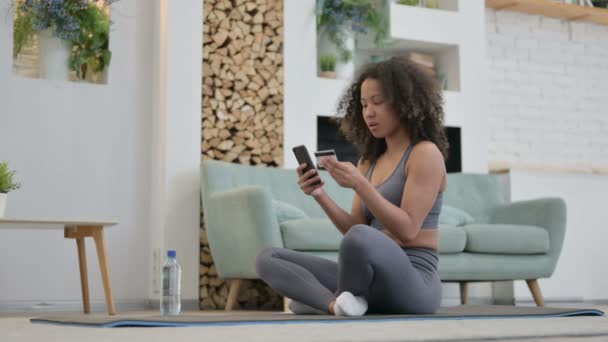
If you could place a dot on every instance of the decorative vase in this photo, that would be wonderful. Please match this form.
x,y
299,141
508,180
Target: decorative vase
x,y
54,56
344,70
3,198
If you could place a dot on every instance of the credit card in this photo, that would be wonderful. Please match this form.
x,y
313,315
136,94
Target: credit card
x,y
320,155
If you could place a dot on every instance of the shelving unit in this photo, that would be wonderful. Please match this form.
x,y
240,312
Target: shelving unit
x,y
453,34
447,58
431,31
415,29
552,9
424,24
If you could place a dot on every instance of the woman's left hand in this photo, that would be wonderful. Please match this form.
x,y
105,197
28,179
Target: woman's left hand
x,y
344,173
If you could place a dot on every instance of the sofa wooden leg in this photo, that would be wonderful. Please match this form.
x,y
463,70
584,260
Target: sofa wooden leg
x,y
286,304
463,292
233,293
535,289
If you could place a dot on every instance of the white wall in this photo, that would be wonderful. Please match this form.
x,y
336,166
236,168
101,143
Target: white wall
x,y
81,151
176,184
581,269
548,92
549,113
305,95
129,150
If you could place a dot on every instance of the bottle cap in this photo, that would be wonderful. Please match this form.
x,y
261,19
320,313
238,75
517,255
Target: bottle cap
x,y
171,253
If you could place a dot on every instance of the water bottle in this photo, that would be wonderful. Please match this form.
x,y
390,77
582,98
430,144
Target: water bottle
x,y
170,302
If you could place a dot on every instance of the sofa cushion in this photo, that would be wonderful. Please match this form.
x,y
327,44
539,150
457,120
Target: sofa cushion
x,y
454,216
311,234
285,211
506,239
452,239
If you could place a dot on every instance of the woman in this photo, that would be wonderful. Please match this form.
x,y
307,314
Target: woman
x,y
388,257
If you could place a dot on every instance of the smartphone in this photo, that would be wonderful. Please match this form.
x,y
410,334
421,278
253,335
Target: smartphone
x,y
320,155
303,157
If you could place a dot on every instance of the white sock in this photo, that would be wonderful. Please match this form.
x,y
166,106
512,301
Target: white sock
x,y
349,305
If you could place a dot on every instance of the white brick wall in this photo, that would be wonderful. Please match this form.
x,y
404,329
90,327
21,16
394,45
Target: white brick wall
x,y
548,84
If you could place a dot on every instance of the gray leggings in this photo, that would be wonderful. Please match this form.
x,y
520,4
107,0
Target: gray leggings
x,y
393,280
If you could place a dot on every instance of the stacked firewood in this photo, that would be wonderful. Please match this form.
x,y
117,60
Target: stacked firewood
x,y
242,114
243,81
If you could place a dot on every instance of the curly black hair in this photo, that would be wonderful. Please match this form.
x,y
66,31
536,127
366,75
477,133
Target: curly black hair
x,y
414,95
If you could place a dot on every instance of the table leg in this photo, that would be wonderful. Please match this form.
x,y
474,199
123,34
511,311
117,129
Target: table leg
x,y
84,283
96,232
103,266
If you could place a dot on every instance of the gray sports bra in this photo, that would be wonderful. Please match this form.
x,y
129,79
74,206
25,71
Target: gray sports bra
x,y
392,190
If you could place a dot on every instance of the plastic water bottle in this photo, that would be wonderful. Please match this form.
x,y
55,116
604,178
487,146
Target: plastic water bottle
x,y
170,302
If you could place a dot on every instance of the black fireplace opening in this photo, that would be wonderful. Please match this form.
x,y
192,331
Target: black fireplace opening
x,y
329,137
454,162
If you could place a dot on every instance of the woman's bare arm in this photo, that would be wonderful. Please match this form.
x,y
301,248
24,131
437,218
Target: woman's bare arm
x,y
340,218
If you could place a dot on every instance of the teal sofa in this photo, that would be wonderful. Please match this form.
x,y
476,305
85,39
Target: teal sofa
x,y
483,236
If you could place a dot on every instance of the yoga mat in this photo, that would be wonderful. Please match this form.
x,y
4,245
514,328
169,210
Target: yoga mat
x,y
242,318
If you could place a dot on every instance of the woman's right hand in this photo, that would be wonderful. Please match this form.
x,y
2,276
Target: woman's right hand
x,y
306,181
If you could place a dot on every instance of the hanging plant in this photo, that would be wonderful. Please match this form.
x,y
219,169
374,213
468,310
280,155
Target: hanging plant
x,y
83,23
90,52
339,18
23,30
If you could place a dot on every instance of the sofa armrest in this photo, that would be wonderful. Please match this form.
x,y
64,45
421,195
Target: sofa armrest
x,y
240,223
548,213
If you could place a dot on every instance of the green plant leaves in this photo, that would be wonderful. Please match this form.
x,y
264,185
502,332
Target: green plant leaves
x,y
6,179
338,19
91,53
327,63
90,44
23,31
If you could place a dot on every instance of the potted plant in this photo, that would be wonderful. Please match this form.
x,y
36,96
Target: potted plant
x,y
339,20
6,185
327,64
72,35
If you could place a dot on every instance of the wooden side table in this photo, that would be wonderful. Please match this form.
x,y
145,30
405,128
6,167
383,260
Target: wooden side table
x,y
78,230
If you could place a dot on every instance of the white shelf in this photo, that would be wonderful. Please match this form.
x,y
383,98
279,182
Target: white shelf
x,y
398,45
423,29
552,9
424,25
447,58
